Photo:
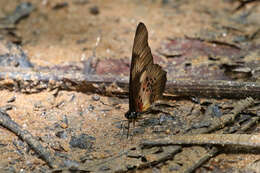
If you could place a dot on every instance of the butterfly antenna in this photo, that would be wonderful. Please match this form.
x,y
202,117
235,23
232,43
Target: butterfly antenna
x,y
128,128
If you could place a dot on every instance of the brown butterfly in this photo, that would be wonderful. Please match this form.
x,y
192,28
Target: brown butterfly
x,y
147,80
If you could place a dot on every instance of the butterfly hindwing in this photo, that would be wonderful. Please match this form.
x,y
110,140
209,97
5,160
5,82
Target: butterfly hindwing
x,y
152,85
157,77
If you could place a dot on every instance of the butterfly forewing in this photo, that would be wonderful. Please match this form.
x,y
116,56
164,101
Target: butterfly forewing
x,y
141,58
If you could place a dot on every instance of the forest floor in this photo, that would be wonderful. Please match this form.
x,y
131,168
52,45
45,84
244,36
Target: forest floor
x,y
209,40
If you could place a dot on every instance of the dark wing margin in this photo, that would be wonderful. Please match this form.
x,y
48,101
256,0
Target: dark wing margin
x,y
141,58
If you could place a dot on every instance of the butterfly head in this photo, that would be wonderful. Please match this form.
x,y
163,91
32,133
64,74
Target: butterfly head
x,y
131,115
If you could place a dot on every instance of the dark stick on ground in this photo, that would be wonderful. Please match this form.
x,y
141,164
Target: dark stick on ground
x,y
29,81
214,89
243,3
26,136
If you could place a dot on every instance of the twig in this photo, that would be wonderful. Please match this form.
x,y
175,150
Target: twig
x,y
28,81
214,88
169,155
228,118
26,136
243,3
212,41
243,140
213,152
249,124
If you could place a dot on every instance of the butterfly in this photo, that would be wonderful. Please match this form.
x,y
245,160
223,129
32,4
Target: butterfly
x,y
147,80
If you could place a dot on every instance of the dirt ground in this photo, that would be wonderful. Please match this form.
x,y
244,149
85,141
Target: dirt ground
x,y
87,127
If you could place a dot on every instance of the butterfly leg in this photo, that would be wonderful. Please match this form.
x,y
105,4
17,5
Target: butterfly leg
x,y
128,128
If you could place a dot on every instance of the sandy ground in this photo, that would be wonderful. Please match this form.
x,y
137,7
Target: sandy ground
x,y
71,34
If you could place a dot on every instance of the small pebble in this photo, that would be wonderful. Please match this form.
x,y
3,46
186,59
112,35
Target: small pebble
x,y
104,168
118,107
60,5
195,100
82,41
81,2
95,97
61,134
71,164
60,104
165,118
213,110
175,167
137,131
64,122
72,97
63,125
94,10
38,105
82,141
10,169
43,114
12,99
2,145
7,108
201,125
91,107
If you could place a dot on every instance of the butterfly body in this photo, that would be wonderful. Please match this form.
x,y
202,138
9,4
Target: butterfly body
x,y
147,80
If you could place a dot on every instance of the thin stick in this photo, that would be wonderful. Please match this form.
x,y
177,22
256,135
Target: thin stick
x,y
242,140
26,136
252,122
213,152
